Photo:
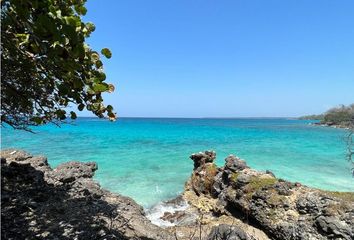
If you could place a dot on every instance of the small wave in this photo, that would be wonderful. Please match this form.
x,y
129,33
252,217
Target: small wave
x,y
155,213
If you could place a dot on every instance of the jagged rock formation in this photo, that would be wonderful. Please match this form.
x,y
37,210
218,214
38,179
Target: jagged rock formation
x,y
282,209
233,202
65,203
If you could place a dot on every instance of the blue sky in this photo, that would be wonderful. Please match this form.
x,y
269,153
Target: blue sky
x,y
226,58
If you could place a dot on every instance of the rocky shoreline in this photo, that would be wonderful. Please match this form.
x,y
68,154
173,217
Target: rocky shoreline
x,y
278,208
38,202
230,202
330,124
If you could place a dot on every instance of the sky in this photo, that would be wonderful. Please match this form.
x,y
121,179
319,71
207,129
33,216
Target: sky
x,y
249,58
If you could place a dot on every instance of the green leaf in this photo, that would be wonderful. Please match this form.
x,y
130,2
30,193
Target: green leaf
x,y
81,106
98,63
106,52
80,10
77,83
68,70
90,27
102,76
37,120
73,21
73,115
61,114
100,88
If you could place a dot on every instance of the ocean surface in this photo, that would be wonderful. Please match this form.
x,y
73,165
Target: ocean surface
x,y
148,158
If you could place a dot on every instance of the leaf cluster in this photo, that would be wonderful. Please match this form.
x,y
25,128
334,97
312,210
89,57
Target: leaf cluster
x,y
46,64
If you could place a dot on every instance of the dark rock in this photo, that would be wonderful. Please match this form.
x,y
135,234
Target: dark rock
x,y
205,170
297,184
229,232
333,227
218,185
203,179
283,188
243,179
65,203
308,203
201,158
235,164
173,217
177,201
282,209
68,172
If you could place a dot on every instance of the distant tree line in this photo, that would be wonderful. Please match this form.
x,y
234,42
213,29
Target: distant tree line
x,y
312,117
342,116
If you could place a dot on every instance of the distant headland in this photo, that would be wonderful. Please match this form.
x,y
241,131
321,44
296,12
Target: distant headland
x,y
341,117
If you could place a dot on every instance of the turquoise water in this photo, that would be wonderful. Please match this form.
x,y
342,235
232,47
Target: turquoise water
x,y
148,159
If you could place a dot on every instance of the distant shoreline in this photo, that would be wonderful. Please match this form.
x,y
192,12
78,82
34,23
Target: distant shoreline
x,y
329,125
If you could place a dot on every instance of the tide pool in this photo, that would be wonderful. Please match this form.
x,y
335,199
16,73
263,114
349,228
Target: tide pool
x,y
148,158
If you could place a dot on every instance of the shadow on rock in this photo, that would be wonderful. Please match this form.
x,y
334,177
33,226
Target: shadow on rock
x,y
64,203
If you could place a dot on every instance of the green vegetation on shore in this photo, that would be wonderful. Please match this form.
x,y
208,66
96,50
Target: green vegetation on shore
x,y
342,116
312,117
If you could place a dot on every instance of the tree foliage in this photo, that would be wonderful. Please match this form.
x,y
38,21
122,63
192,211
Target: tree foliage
x,y
46,64
342,116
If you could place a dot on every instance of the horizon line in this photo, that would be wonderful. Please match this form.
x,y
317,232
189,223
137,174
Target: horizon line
x,y
196,117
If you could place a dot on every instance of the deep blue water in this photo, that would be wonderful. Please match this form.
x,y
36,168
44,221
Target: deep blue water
x,y
148,159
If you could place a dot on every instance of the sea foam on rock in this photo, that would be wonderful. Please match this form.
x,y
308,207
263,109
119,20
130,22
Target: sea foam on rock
x,y
171,213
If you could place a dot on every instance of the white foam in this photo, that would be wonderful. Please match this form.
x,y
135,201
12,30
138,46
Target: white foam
x,y
155,213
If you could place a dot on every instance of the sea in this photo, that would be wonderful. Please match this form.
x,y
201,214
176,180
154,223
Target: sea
x,y
147,159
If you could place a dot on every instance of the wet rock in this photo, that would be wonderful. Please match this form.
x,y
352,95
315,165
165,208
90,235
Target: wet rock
x,y
173,217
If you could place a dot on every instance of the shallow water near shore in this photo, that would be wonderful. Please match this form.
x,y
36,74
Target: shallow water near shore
x,y
147,158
